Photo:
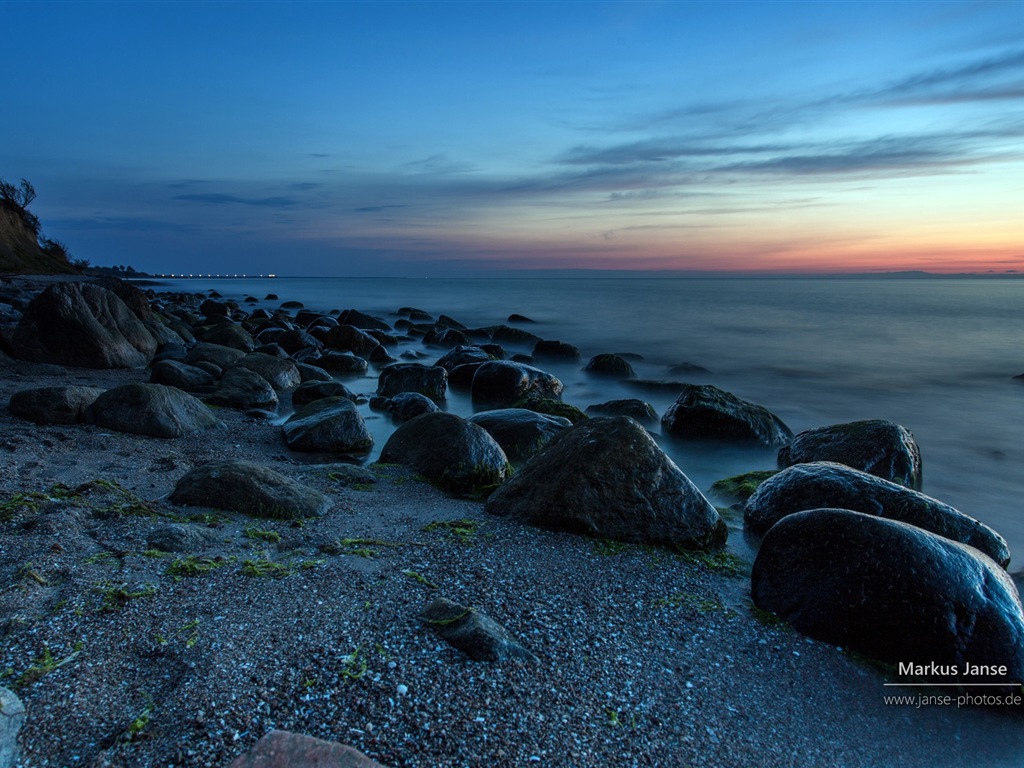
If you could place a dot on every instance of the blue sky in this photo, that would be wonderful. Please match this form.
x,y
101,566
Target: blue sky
x,y
471,138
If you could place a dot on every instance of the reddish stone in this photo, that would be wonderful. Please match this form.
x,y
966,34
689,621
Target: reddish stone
x,y
282,749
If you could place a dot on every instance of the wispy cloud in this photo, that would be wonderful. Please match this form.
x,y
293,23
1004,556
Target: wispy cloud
x,y
222,199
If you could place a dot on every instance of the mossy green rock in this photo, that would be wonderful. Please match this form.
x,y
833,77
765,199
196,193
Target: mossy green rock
x,y
248,488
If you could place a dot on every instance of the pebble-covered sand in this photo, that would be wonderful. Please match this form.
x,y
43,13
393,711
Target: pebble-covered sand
x,y
645,657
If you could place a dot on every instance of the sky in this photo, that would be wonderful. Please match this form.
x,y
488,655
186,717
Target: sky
x,y
492,138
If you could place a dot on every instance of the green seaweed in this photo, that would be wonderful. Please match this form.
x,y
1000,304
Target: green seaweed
x,y
464,529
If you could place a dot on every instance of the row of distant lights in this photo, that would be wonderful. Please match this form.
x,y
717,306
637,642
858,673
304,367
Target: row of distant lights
x,y
184,275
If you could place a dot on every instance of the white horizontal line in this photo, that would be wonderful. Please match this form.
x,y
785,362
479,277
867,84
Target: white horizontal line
x,y
953,682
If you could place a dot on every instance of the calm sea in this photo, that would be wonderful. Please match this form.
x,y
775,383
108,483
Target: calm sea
x,y
936,355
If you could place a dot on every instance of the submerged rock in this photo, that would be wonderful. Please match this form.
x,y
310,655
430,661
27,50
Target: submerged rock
x,y
882,448
891,591
454,454
705,412
607,478
150,409
248,488
475,634
826,484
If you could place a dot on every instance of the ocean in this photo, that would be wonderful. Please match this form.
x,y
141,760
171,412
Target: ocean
x,y
937,355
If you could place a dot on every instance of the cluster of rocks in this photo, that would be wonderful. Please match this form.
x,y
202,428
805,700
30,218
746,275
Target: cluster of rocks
x,y
852,552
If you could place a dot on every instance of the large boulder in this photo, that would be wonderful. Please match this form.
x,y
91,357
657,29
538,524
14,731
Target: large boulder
x,y
501,383
84,325
348,338
309,391
283,749
429,380
243,389
331,424
555,350
280,373
891,591
150,409
610,365
248,488
606,477
882,448
230,335
827,484
217,354
409,405
705,412
342,362
635,408
53,405
463,355
454,454
520,432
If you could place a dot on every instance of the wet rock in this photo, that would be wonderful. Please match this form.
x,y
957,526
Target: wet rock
x,y
342,362
705,412
520,432
446,337
362,320
282,749
294,340
506,334
826,484
248,488
454,454
551,407
501,383
882,448
891,591
232,336
331,424
428,380
83,325
279,373
607,478
686,369
555,350
636,409
241,388
409,405
318,390
475,634
180,537
309,372
181,375
150,409
53,405
348,338
738,488
217,354
610,365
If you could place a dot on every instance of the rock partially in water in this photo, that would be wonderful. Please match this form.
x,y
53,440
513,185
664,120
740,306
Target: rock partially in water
x,y
607,478
53,405
348,338
520,432
882,448
150,409
610,365
501,383
475,634
280,373
555,350
409,405
826,484
331,424
219,355
342,362
454,454
705,412
232,336
636,409
248,488
241,388
309,391
891,591
428,380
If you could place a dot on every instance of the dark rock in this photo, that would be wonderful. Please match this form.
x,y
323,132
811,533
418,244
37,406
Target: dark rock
x,y
362,320
444,321
502,382
506,334
232,336
272,350
270,297
475,634
637,410
170,352
294,340
53,405
212,369
881,448
180,375
446,337
279,373
656,385
213,308
449,451
520,432
310,373
241,388
738,488
383,338
248,488
462,356
687,368
460,378
891,591
514,318
705,412
348,338
496,351
551,407
219,355
555,350
282,749
292,305
610,365
150,409
342,362
84,325
309,391
381,357
331,424
431,381
409,405
180,537
608,478
826,484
